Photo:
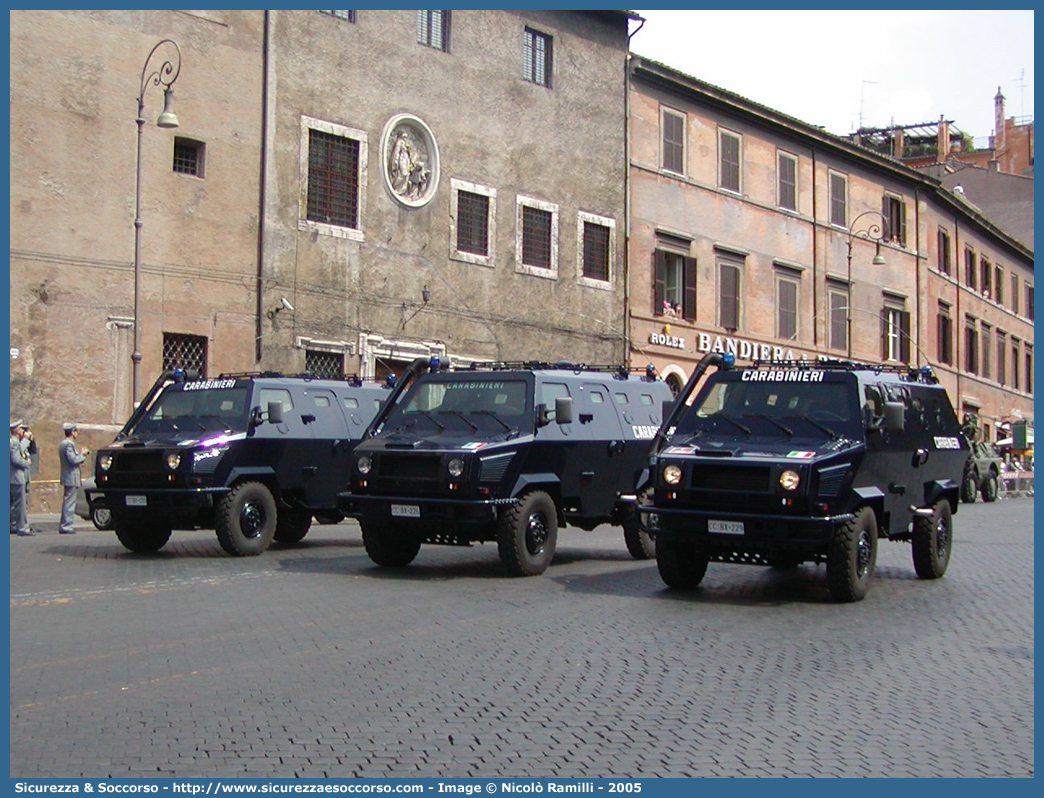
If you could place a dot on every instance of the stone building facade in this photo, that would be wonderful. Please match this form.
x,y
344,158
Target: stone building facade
x,y
755,233
345,191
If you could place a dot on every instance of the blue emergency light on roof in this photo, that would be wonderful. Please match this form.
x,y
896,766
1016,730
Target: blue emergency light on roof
x,y
650,371
179,374
728,360
390,379
434,362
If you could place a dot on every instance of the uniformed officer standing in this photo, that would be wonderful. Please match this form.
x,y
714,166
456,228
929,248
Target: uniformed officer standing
x,y
19,478
69,459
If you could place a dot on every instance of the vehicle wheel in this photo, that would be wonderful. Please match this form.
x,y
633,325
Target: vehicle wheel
x,y
968,491
144,536
639,542
245,519
682,564
292,525
851,557
989,488
101,517
527,534
388,546
933,541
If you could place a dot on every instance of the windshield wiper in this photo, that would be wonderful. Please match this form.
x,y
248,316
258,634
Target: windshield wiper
x,y
773,421
495,417
817,425
732,421
432,419
462,417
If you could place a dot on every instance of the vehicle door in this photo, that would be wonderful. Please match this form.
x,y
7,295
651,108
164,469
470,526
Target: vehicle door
x,y
890,461
604,446
557,446
324,471
284,448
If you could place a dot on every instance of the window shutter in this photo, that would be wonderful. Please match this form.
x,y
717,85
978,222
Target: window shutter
x,y
659,281
884,335
904,336
689,289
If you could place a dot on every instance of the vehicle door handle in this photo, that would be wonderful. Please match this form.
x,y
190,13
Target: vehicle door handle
x,y
307,418
920,457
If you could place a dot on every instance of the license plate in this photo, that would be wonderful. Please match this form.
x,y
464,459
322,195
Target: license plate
x,y
405,511
137,501
725,527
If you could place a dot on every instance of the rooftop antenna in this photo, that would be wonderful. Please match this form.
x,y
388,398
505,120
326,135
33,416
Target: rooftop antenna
x,y
1022,92
862,94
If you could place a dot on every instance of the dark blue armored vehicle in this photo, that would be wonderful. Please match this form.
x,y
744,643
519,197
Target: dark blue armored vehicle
x,y
506,453
253,456
783,463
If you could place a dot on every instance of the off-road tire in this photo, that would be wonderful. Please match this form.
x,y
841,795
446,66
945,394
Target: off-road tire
x,y
852,556
144,536
933,541
682,564
387,546
292,525
527,534
245,519
968,491
990,488
639,542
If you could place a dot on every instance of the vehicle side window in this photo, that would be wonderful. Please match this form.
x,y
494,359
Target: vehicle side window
x,y
621,398
280,395
874,402
350,402
647,400
321,401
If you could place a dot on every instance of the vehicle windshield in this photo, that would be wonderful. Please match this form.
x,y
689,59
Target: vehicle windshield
x,y
465,406
757,408
189,413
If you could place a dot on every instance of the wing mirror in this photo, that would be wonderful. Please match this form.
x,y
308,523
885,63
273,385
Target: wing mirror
x,y
894,416
564,410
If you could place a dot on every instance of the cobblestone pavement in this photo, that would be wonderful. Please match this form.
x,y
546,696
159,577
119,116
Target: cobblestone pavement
x,y
309,661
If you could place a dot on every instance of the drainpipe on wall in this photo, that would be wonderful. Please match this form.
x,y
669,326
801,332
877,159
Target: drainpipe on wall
x,y
626,359
262,193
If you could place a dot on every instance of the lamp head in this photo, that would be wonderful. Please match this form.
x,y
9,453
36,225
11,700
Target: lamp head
x,y
167,118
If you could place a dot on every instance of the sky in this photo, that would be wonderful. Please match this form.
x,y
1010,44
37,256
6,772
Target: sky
x,y
835,68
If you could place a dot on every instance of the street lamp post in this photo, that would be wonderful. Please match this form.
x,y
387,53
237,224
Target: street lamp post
x,y
164,76
876,231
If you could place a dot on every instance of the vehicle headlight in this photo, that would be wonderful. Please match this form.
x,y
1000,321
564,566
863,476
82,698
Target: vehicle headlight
x,y
672,475
364,464
789,480
455,467
173,460
105,462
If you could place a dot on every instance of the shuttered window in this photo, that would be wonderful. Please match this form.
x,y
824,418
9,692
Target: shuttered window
x,y
433,29
838,200
729,279
673,126
536,57
729,168
787,169
674,285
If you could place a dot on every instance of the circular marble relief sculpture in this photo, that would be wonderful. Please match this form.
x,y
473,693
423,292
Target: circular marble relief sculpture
x,y
410,160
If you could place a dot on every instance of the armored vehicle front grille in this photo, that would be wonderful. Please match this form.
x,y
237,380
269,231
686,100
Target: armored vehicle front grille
x,y
494,468
128,461
753,479
832,479
408,466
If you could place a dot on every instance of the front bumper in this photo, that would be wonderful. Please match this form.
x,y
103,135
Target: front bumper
x,y
179,500
428,508
772,529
